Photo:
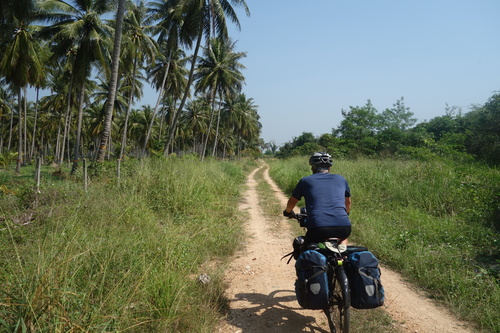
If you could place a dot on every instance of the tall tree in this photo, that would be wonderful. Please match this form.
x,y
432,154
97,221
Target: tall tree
x,y
115,62
138,48
240,117
219,74
197,121
6,113
139,120
79,28
168,74
359,127
483,135
40,83
195,19
399,116
394,125
21,62
169,18
53,107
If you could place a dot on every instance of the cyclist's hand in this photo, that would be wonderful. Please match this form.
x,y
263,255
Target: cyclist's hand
x,y
289,215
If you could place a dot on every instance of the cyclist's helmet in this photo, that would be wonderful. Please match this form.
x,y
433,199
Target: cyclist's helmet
x,y
321,160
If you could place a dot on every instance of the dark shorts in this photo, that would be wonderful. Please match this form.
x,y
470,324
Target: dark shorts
x,y
320,234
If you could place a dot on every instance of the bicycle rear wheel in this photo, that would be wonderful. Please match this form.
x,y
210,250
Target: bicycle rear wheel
x,y
338,312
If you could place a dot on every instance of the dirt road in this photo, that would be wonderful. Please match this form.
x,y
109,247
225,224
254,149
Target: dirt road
x,y
261,292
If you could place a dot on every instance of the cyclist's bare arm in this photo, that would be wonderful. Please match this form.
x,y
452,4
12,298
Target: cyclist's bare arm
x,y
348,202
291,204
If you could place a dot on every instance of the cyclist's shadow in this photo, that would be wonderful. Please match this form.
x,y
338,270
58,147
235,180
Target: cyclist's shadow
x,y
276,312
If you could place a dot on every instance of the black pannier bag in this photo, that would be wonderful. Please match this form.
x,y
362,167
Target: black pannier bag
x,y
363,274
311,286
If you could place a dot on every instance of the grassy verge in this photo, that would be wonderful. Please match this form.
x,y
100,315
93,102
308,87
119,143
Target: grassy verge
x,y
436,222
123,256
376,320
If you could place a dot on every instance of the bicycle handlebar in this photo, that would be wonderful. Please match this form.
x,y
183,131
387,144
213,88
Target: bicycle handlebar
x,y
301,217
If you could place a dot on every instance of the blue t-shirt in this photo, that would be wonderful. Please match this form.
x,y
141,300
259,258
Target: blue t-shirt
x,y
325,195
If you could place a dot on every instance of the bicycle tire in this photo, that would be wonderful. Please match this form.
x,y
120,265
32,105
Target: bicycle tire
x,y
338,312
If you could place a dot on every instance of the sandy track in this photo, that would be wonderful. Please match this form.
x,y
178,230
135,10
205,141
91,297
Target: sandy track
x,y
261,285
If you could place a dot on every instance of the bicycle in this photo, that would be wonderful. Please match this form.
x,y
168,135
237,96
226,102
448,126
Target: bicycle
x,y
338,310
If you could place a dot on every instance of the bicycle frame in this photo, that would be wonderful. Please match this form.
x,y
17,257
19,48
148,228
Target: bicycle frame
x,y
338,312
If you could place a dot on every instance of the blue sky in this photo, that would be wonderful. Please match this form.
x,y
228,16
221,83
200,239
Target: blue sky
x,y
308,60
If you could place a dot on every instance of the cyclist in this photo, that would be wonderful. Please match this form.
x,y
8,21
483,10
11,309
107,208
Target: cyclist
x,y
328,201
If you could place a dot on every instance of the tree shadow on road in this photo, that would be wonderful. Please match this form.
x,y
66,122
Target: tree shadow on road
x,y
276,312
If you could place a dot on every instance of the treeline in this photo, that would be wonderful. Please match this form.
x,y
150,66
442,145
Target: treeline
x,y
94,59
365,131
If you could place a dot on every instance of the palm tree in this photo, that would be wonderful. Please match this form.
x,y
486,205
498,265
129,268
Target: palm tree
x,y
21,62
100,95
79,28
99,108
241,118
39,84
138,48
93,125
52,107
196,117
10,12
115,62
132,88
219,73
139,120
182,135
61,101
6,111
195,19
249,132
168,17
168,75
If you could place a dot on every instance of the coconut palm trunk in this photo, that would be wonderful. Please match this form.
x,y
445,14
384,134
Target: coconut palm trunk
x,y
160,96
65,141
19,134
67,117
11,126
205,145
127,113
214,150
25,124
32,151
58,141
106,133
186,92
76,154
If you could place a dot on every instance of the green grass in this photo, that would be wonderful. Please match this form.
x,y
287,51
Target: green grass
x,y
123,256
436,222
